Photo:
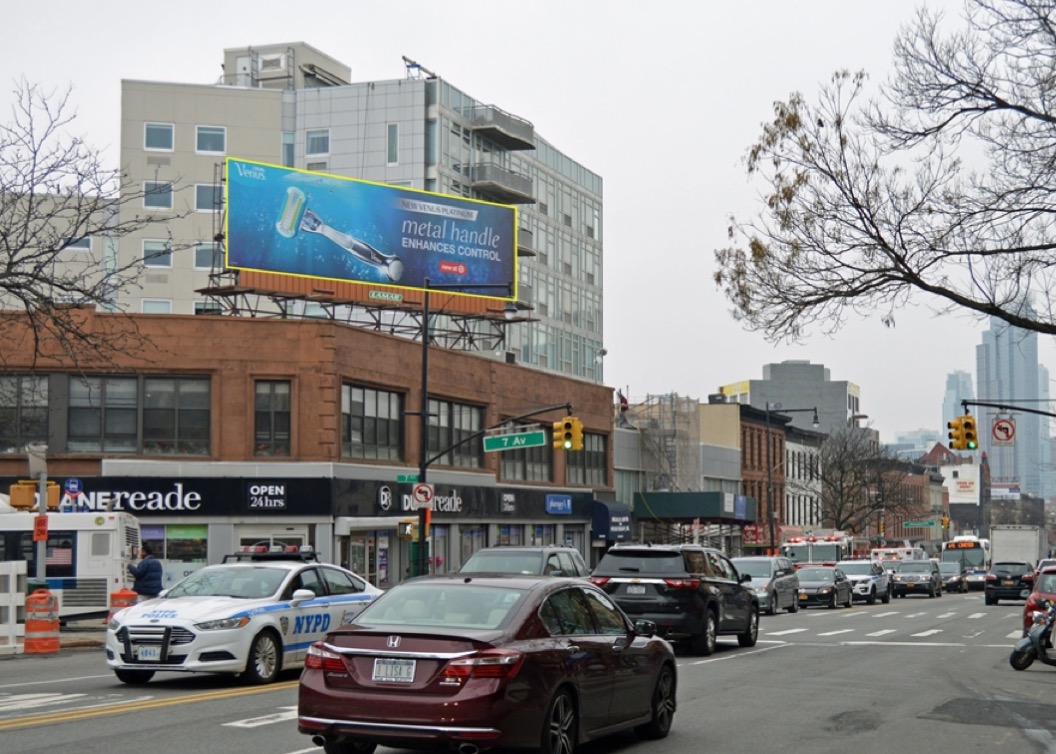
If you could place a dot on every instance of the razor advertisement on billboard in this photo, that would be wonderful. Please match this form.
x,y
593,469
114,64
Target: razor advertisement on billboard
x,y
295,222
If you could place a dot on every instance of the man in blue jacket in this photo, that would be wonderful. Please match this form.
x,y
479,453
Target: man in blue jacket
x,y
147,574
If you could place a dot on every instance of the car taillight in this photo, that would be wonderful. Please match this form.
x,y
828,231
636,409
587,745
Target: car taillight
x,y
319,658
683,583
991,577
492,663
599,580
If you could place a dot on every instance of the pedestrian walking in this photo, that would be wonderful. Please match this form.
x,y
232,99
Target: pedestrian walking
x,y
148,574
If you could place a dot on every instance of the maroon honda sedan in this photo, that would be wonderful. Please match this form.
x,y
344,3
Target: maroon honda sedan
x,y
470,663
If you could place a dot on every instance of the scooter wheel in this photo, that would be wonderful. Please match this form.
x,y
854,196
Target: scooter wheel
x,y
1021,660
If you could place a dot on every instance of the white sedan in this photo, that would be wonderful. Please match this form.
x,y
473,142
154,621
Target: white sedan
x,y
253,617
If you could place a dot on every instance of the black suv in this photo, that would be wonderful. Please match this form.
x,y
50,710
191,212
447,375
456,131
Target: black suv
x,y
1008,580
547,560
690,592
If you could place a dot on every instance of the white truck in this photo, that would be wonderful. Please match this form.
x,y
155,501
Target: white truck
x,y
1018,542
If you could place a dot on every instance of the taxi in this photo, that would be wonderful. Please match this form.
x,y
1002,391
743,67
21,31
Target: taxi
x,y
253,615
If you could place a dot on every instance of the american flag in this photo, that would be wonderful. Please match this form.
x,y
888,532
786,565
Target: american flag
x,y
59,556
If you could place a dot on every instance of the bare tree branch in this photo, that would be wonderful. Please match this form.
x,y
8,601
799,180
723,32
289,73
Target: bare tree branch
x,y
867,205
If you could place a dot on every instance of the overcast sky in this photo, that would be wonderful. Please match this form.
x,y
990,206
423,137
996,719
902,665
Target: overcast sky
x,y
661,99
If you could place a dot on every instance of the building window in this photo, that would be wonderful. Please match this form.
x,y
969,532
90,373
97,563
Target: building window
x,y
287,149
157,254
103,414
207,307
208,256
158,136
527,465
207,197
211,139
449,426
176,415
23,412
78,244
393,144
317,142
590,465
271,435
316,167
371,423
157,306
157,195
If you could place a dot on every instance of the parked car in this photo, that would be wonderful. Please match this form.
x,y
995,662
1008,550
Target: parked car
x,y
1008,580
954,576
1041,565
549,560
824,585
692,593
1044,591
917,577
869,580
463,663
252,617
774,581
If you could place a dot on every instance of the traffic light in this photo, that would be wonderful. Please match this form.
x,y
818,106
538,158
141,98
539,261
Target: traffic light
x,y
971,436
563,432
577,434
945,522
957,436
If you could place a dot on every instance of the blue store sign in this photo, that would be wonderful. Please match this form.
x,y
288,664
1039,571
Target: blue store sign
x,y
559,505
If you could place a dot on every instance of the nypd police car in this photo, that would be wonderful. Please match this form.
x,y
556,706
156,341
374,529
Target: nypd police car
x,y
868,579
253,615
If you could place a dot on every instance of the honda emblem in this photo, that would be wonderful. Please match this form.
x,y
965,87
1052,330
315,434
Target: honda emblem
x,y
393,642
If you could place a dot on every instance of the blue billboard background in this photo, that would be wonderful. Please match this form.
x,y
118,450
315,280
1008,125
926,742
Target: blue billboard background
x,y
294,222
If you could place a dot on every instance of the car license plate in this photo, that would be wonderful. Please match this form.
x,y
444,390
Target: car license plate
x,y
148,654
635,589
393,670
802,595
1007,582
910,585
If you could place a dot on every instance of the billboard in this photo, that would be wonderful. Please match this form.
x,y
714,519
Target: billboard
x,y
314,225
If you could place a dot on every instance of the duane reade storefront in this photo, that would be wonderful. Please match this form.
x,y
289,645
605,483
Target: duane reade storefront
x,y
360,524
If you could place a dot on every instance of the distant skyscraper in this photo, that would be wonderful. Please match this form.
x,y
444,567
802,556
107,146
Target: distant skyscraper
x,y
958,388
1007,372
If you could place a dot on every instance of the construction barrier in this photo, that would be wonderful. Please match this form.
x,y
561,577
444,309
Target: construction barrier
x,y
119,600
42,623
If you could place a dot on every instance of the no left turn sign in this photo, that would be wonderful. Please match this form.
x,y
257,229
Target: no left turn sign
x,y
423,495
1003,431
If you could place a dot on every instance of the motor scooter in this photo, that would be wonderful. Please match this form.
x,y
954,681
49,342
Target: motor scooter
x,y
1037,642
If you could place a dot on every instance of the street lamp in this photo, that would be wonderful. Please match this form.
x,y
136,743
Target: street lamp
x,y
770,466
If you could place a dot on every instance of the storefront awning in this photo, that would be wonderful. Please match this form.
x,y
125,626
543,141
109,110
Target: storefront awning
x,y
611,521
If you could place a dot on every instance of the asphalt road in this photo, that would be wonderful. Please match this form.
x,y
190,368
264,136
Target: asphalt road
x,y
919,674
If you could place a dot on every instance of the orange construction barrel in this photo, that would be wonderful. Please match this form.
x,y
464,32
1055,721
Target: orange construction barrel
x,y
42,623
121,599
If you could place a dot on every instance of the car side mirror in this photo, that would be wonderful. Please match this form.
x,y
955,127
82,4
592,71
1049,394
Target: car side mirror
x,y
745,578
644,627
302,595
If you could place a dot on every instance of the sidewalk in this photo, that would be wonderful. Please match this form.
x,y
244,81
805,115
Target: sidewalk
x,y
83,633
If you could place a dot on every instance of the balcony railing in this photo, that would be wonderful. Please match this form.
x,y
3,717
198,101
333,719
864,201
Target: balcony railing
x,y
502,185
502,128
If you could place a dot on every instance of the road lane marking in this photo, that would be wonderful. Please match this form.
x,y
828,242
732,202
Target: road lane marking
x,y
287,713
946,615
841,631
18,702
976,616
882,633
52,718
930,632
889,612
785,632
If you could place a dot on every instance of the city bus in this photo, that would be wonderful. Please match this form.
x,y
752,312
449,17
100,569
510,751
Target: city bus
x,y
86,556
974,553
